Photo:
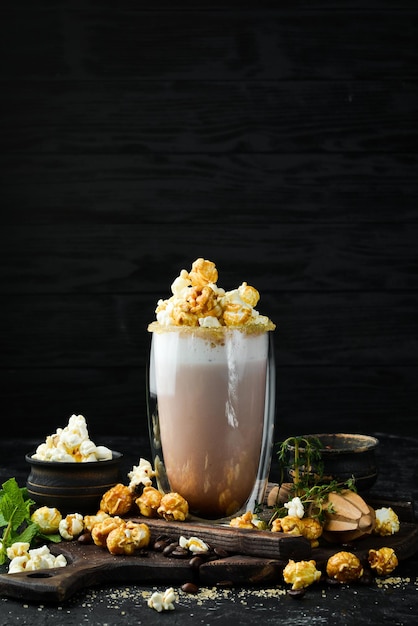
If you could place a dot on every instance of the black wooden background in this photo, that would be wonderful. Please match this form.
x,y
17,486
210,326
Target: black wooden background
x,y
278,139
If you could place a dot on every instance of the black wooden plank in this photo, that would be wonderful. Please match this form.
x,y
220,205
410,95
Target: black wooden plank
x,y
193,188
111,330
209,116
132,258
309,399
72,40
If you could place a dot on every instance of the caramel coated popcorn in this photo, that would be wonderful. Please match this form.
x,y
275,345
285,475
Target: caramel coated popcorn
x,y
128,538
149,501
118,500
387,522
383,561
47,518
198,301
289,524
301,574
173,507
345,567
247,520
101,530
91,520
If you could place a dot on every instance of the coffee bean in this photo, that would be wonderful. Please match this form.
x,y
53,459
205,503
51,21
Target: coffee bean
x,y
195,562
296,593
190,588
160,544
170,548
221,553
180,553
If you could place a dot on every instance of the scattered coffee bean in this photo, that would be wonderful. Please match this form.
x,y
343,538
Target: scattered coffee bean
x,y
221,553
190,588
160,544
332,581
180,553
170,548
296,593
195,562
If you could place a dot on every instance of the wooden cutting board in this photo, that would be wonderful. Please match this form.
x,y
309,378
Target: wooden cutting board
x,y
256,557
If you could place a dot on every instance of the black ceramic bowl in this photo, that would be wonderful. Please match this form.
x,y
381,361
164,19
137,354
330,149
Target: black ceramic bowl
x,y
349,455
72,487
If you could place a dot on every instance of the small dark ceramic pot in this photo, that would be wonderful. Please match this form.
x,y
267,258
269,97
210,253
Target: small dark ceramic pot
x,y
72,487
349,455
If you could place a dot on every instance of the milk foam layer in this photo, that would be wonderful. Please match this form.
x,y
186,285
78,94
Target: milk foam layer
x,y
172,349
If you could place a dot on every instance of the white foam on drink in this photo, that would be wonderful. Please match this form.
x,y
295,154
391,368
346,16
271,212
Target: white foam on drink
x,y
173,349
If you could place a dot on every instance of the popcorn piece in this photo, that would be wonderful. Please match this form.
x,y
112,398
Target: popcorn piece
x,y
288,524
141,474
236,312
194,544
308,527
198,301
247,520
301,574
149,501
173,507
163,601
19,548
312,530
91,520
203,272
38,558
387,522
47,518
127,538
383,561
18,564
249,294
71,445
101,530
295,507
71,526
345,567
117,501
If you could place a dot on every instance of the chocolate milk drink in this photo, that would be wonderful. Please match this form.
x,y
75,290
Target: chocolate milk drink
x,y
211,406
211,394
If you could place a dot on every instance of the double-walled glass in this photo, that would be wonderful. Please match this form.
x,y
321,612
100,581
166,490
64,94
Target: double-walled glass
x,y
211,416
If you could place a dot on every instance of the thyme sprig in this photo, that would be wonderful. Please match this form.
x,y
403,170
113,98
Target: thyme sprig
x,y
314,499
300,459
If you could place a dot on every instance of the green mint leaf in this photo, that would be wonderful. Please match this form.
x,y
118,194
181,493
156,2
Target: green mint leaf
x,y
55,538
13,504
27,534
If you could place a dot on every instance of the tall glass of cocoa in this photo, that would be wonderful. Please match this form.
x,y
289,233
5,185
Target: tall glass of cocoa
x,y
211,397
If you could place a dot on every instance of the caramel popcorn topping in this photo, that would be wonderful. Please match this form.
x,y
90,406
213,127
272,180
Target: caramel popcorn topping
x,y
198,302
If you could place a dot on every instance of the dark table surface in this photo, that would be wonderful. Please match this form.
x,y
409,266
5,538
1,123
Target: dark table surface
x,y
391,600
